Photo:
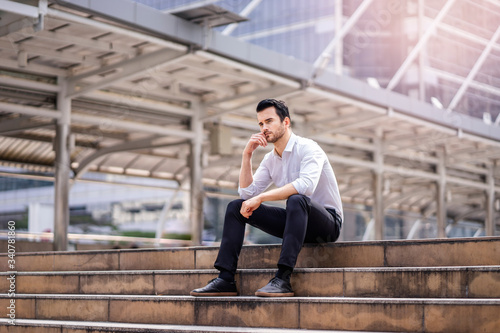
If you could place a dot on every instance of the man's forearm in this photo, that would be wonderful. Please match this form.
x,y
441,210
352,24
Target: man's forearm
x,y
246,177
276,194
248,206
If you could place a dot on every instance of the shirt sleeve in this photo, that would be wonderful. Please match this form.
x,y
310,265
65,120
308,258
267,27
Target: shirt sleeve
x,y
311,167
261,181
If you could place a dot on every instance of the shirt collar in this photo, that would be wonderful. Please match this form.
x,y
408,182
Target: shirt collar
x,y
289,145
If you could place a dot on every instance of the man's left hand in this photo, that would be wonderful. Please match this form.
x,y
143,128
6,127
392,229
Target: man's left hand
x,y
248,206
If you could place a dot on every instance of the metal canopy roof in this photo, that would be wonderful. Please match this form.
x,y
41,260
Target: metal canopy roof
x,y
141,80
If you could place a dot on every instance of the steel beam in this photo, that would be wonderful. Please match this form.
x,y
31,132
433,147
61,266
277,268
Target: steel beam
x,y
154,141
129,68
401,197
343,127
20,124
339,48
28,84
62,170
34,68
249,69
131,125
30,110
422,41
407,172
348,100
421,56
285,28
245,12
128,101
19,8
460,79
475,69
324,58
255,94
277,92
466,35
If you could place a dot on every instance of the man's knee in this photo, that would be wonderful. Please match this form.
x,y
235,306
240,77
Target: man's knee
x,y
296,200
234,206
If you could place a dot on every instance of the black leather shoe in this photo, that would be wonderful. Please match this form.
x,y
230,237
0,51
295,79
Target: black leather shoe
x,y
276,288
216,287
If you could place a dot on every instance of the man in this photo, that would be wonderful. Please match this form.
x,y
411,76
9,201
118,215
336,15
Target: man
x,y
303,175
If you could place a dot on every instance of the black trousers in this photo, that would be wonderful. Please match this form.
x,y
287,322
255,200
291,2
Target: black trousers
x,y
303,221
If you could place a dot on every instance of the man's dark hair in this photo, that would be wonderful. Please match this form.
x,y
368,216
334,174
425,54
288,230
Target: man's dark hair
x,y
280,106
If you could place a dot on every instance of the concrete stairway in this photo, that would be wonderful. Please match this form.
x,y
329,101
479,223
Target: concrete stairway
x,y
388,286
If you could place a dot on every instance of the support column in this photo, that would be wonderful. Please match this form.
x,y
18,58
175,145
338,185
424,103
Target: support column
x,y
441,194
489,223
62,170
378,183
196,197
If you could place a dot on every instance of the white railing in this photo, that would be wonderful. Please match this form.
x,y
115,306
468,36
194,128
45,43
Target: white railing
x,y
94,238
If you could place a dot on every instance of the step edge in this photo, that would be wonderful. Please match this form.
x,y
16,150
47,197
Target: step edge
x,y
339,299
384,243
132,327
476,268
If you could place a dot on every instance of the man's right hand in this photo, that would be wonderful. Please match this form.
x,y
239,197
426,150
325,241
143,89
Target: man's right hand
x,y
256,140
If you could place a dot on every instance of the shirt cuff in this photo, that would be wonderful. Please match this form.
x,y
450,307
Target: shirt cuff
x,y
246,193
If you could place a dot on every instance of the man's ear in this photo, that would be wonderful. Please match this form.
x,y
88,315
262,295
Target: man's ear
x,y
287,121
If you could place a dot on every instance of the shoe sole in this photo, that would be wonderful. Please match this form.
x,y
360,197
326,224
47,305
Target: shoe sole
x,y
264,294
214,294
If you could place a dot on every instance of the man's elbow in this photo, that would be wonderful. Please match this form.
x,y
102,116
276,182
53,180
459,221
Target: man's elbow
x,y
308,191
305,187
243,194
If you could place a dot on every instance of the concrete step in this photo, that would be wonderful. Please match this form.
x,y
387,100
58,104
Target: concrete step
x,y
343,313
414,253
435,282
57,326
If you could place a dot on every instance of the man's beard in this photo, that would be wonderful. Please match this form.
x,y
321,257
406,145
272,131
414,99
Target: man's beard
x,y
278,135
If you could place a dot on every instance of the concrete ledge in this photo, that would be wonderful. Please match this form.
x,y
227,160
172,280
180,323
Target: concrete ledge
x,y
345,313
441,282
56,326
27,246
423,253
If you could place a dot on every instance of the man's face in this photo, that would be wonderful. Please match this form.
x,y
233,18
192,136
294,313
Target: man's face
x,y
271,125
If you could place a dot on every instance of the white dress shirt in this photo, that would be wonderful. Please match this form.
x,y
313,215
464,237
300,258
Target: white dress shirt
x,y
303,164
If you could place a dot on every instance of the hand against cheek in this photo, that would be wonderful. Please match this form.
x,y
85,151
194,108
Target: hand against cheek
x,y
248,206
